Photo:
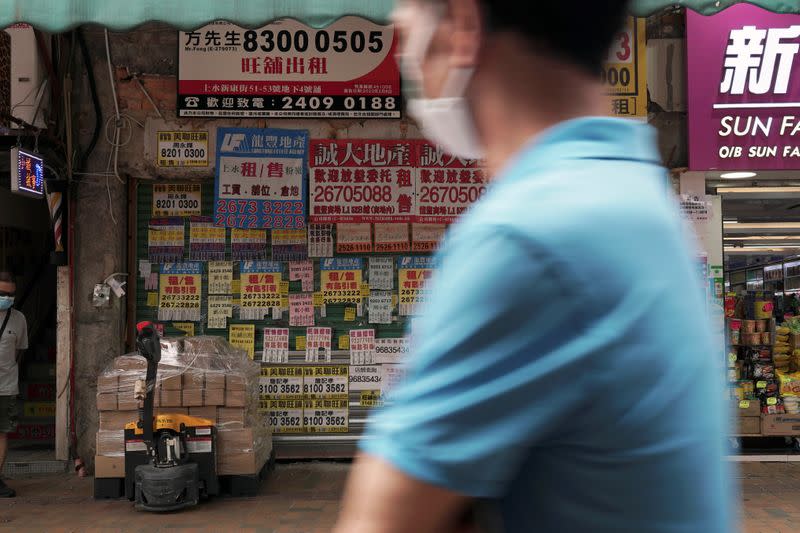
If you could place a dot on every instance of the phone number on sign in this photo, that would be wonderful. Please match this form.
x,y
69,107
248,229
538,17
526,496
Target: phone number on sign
x,y
259,214
453,195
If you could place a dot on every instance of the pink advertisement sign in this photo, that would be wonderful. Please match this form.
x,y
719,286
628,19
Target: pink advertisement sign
x,y
744,90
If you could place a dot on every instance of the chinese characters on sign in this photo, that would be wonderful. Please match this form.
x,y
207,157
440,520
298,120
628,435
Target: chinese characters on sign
x,y
413,274
426,237
318,339
340,280
381,273
361,181
366,378
301,310
165,240
353,238
391,238
302,271
260,285
248,244
446,186
206,241
182,149
695,208
391,350
242,336
285,416
179,292
177,199
362,346
220,309
380,307
624,73
744,88
276,345
288,69
289,245
320,240
260,178
326,416
220,277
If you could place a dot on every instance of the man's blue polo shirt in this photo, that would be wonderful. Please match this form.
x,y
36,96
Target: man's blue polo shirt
x,y
563,367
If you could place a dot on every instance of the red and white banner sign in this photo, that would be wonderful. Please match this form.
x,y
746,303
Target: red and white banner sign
x,y
446,185
361,181
426,237
288,69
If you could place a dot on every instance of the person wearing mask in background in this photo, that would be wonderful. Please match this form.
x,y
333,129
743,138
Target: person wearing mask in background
x,y
517,411
13,340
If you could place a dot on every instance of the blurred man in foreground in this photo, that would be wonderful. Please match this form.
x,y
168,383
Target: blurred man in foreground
x,y
562,376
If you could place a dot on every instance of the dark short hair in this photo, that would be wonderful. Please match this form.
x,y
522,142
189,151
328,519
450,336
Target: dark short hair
x,y
579,32
6,277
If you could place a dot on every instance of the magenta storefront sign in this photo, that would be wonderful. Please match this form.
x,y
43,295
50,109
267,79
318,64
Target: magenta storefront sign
x,y
744,90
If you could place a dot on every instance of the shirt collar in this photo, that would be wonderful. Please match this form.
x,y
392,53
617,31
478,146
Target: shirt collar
x,y
597,138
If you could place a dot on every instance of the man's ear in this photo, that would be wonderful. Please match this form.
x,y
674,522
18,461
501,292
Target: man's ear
x,y
466,18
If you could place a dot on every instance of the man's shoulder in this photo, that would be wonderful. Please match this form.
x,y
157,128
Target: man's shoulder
x,y
17,316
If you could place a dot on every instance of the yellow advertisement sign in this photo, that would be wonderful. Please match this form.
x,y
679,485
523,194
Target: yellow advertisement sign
x,y
326,416
341,286
182,149
624,73
285,416
243,336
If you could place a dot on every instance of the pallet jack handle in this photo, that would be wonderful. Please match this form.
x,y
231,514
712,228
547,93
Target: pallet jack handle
x,y
149,345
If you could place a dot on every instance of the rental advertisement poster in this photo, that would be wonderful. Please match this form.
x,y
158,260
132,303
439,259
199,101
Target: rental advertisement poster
x,y
260,178
744,89
413,274
260,286
179,291
445,185
288,69
340,279
355,180
624,72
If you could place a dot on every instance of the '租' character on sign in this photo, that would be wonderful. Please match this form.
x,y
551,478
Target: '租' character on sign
x,y
413,274
289,69
260,286
340,280
180,291
361,181
260,178
744,89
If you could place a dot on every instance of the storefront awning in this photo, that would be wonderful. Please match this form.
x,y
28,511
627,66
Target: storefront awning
x,y
62,15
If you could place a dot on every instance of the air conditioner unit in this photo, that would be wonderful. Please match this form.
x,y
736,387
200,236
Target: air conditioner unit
x,y
24,95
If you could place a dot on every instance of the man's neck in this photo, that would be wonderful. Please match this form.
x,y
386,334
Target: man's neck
x,y
520,94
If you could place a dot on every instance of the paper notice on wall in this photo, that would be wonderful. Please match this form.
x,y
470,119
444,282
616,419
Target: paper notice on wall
x,y
206,241
353,238
413,274
151,283
362,346
340,280
177,199
165,240
281,382
381,273
302,271
179,292
301,309
380,307
285,416
248,244
391,238
220,310
220,277
370,398
426,237
243,336
152,299
318,342
696,208
326,416
145,268
391,351
260,288
392,376
320,240
276,345
328,381
368,377
289,244
186,327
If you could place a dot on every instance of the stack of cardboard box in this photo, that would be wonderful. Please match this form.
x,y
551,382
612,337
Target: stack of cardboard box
x,y
227,398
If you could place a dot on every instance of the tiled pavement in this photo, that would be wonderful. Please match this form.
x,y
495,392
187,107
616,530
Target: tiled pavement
x,y
303,498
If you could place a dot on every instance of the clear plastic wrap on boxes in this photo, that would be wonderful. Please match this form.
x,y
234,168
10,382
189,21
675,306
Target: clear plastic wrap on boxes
x,y
186,363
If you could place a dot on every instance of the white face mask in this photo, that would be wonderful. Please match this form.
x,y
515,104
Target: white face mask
x,y
446,120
